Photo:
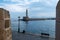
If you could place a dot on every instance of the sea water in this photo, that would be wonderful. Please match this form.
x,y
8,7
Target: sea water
x,y
35,27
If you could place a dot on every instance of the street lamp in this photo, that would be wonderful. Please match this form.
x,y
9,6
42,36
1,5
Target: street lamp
x,y
18,24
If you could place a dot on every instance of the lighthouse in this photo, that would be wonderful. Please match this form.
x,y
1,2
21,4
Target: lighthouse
x,y
26,18
26,12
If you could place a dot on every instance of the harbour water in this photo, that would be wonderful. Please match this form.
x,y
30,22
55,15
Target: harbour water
x,y
35,27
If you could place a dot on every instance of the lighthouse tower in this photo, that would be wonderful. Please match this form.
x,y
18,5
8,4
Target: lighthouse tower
x,y
26,12
26,18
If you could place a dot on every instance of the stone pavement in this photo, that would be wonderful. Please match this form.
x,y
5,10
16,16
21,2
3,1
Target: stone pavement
x,y
21,36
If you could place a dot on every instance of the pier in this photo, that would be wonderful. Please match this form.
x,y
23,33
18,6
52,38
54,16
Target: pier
x,y
36,19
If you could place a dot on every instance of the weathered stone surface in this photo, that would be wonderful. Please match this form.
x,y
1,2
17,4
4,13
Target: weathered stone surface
x,y
5,29
7,24
1,14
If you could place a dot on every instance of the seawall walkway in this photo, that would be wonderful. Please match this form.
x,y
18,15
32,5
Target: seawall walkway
x,y
21,36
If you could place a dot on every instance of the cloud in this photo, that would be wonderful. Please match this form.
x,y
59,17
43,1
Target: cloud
x,y
13,0
34,0
28,2
18,6
49,2
23,0
14,8
21,5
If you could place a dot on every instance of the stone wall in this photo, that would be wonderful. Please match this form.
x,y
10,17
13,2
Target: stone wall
x,y
5,28
58,21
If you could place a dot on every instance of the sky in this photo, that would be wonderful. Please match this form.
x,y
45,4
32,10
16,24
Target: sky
x,y
36,8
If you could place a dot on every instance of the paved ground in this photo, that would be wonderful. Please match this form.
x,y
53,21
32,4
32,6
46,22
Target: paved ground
x,y
21,36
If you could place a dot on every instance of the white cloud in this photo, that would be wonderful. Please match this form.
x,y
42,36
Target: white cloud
x,y
34,0
23,0
27,2
14,0
23,4
50,2
14,8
